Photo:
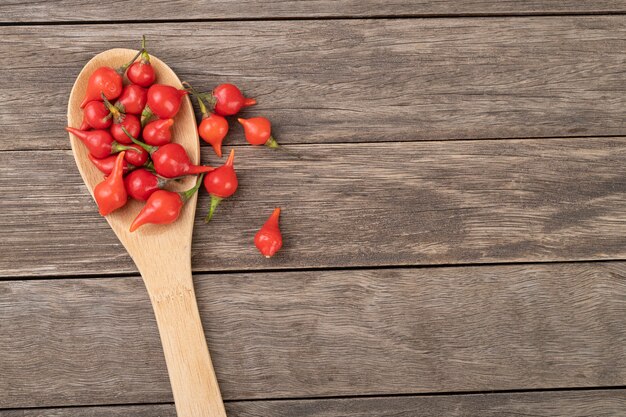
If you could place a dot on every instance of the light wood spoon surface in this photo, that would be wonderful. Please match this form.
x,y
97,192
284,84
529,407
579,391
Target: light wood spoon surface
x,y
162,253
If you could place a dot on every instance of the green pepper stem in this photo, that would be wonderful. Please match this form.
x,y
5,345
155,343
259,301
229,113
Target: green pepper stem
x,y
122,70
197,95
271,143
215,201
145,57
203,110
208,97
146,115
186,195
113,111
117,147
145,146
201,97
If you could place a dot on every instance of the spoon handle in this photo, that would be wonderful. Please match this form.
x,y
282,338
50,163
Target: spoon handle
x,y
195,388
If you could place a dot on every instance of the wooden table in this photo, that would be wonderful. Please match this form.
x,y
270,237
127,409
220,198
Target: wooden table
x,y
455,226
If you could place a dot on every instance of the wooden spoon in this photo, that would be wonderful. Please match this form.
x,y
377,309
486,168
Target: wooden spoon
x,y
162,254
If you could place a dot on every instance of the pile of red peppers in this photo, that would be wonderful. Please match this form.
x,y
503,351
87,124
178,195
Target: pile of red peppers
x,y
127,117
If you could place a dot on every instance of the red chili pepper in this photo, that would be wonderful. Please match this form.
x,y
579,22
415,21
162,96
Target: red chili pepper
x,y
110,194
171,160
221,183
131,123
142,73
269,239
163,207
258,131
132,100
163,101
229,100
104,80
99,142
96,115
141,183
225,99
105,165
107,81
213,128
157,133
139,157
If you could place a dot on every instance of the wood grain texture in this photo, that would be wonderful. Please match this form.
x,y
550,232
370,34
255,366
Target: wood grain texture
x,y
84,10
332,333
350,80
347,205
600,403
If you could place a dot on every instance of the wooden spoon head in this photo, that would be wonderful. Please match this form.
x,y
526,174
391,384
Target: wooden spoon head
x,y
149,242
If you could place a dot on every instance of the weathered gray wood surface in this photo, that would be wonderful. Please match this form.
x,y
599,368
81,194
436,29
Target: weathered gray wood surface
x,y
347,205
331,333
350,80
420,198
85,10
601,403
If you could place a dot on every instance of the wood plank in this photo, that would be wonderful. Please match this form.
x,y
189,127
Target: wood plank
x,y
350,80
597,403
330,333
86,11
347,205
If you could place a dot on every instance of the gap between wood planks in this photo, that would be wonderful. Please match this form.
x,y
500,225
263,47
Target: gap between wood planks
x,y
311,18
346,397
316,269
373,142
438,394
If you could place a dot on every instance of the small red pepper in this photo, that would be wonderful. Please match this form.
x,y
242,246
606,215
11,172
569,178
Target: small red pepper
x,y
171,160
96,115
228,100
104,80
163,207
225,99
129,122
138,158
105,165
141,183
110,194
142,73
258,131
163,101
157,133
132,100
221,183
99,142
213,128
269,239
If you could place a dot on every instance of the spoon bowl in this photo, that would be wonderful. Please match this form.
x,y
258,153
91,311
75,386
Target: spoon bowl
x,y
162,253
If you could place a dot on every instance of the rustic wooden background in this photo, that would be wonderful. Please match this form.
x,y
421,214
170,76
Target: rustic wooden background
x,y
455,222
